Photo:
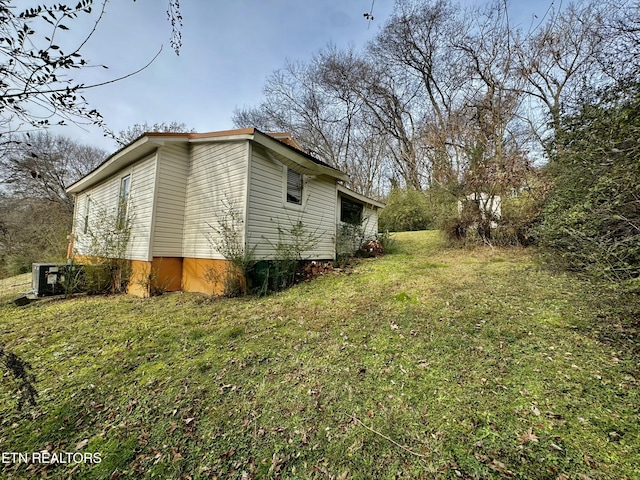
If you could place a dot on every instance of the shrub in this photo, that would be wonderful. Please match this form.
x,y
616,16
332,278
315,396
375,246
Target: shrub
x,y
386,241
227,238
409,209
592,221
521,215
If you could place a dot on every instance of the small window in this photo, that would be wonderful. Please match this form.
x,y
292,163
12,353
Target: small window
x,y
294,187
87,208
123,201
350,212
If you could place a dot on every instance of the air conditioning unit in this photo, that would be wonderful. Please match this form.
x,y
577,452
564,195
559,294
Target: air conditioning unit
x,y
55,278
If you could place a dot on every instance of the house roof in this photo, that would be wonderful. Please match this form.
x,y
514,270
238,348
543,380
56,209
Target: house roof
x,y
280,146
356,196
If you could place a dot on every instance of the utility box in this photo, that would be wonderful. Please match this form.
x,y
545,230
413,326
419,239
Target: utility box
x,y
55,278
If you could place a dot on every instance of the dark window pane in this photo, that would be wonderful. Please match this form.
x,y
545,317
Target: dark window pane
x,y
350,212
294,187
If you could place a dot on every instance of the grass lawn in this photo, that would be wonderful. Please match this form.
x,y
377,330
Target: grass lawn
x,y
426,363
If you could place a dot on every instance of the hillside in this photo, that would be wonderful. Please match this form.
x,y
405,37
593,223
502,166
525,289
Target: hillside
x,y
426,363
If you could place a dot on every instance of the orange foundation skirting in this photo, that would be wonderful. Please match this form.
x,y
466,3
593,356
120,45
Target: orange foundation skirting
x,y
162,274
172,274
203,275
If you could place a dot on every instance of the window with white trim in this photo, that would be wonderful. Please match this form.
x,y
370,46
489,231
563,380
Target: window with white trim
x,y
123,201
350,211
87,208
294,187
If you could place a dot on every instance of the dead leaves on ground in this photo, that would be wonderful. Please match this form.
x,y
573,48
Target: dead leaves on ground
x,y
494,465
527,437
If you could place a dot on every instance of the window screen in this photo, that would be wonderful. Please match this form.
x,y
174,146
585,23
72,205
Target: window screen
x,y
125,188
87,208
350,212
294,187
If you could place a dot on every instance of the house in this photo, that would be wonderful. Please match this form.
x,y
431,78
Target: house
x,y
489,207
174,188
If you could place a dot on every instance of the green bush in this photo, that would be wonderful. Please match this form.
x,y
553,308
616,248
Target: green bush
x,y
410,209
592,221
520,216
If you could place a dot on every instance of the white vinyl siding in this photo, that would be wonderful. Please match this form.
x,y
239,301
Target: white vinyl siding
x,y
268,210
217,175
171,191
105,199
104,203
370,222
140,208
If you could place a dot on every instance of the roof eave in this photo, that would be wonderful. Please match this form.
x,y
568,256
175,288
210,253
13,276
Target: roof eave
x,y
362,198
298,157
141,147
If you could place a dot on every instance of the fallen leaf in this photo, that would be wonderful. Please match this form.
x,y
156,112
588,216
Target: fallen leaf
x,y
527,437
583,476
500,468
535,410
176,454
589,461
82,444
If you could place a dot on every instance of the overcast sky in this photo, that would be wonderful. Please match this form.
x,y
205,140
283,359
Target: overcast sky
x,y
229,48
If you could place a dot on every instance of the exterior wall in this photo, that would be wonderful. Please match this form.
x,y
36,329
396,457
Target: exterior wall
x,y
103,210
268,209
217,177
77,228
140,271
167,272
171,192
350,237
104,204
101,196
143,179
204,275
370,222
161,273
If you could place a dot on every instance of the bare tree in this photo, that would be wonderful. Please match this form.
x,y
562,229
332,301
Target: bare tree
x,y
324,113
561,57
622,28
135,131
416,99
37,61
494,160
451,97
35,210
42,165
